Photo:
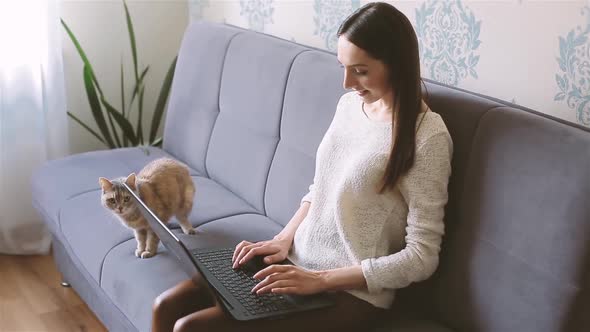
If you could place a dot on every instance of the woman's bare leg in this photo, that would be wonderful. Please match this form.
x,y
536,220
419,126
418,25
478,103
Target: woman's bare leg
x,y
179,301
209,319
349,314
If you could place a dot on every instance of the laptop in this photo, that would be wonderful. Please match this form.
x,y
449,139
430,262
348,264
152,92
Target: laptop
x,y
232,287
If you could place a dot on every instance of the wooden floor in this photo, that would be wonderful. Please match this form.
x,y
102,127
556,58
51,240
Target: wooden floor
x,y
31,298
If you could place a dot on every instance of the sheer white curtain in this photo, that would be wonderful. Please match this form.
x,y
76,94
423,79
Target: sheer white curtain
x,y
33,126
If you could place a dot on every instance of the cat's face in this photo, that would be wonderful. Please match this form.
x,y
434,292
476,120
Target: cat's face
x,y
114,195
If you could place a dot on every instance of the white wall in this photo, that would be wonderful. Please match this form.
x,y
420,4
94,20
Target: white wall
x,y
515,44
101,29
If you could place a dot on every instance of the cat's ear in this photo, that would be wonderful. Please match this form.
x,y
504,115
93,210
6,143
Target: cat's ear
x,y
131,180
105,184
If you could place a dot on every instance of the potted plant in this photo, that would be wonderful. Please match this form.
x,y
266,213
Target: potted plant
x,y
115,128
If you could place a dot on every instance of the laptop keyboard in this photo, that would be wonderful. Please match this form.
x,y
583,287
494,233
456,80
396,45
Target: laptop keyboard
x,y
240,283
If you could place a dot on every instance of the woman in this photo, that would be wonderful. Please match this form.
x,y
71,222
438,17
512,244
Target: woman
x,y
372,221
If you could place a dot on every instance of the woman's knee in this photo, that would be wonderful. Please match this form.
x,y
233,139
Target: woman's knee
x,y
208,319
185,295
162,303
183,325
197,324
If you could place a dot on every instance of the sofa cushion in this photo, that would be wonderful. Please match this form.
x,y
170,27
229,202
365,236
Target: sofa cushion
x,y
212,202
134,283
312,92
194,96
59,180
461,112
91,230
246,131
520,250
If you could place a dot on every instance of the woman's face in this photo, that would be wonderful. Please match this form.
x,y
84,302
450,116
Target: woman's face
x,y
369,77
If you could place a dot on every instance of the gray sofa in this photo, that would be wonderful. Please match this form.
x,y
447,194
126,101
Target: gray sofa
x,y
247,112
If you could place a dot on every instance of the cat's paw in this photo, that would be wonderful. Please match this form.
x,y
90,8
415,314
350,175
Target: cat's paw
x,y
190,231
147,254
138,252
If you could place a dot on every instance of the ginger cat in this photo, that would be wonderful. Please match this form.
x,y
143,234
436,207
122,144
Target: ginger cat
x,y
165,186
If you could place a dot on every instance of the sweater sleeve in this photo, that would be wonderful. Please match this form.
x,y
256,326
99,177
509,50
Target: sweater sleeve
x,y
309,196
424,189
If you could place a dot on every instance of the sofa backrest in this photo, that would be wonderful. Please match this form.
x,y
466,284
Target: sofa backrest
x,y
518,255
249,111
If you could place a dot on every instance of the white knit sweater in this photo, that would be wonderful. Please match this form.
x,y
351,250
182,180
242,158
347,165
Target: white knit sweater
x,y
394,236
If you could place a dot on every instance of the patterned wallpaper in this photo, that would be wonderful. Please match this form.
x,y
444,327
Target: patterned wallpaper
x,y
530,52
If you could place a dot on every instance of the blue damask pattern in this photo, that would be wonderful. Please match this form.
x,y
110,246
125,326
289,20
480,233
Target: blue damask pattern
x,y
329,14
574,62
448,36
258,12
196,8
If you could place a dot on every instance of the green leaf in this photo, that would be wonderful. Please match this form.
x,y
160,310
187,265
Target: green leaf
x,y
137,85
131,39
81,53
124,124
140,116
122,90
95,107
113,129
157,142
86,127
125,140
162,98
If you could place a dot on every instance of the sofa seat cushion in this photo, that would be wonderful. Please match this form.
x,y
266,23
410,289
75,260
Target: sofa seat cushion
x,y
91,230
59,180
134,283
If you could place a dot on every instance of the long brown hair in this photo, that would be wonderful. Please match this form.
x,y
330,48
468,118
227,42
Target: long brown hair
x,y
387,35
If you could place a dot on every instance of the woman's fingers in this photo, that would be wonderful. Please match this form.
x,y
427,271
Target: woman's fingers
x,y
287,279
276,258
246,250
275,285
243,251
239,249
272,269
286,290
265,249
249,251
270,279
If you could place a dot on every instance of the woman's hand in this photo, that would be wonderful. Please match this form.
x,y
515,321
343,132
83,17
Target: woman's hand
x,y
275,250
289,279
